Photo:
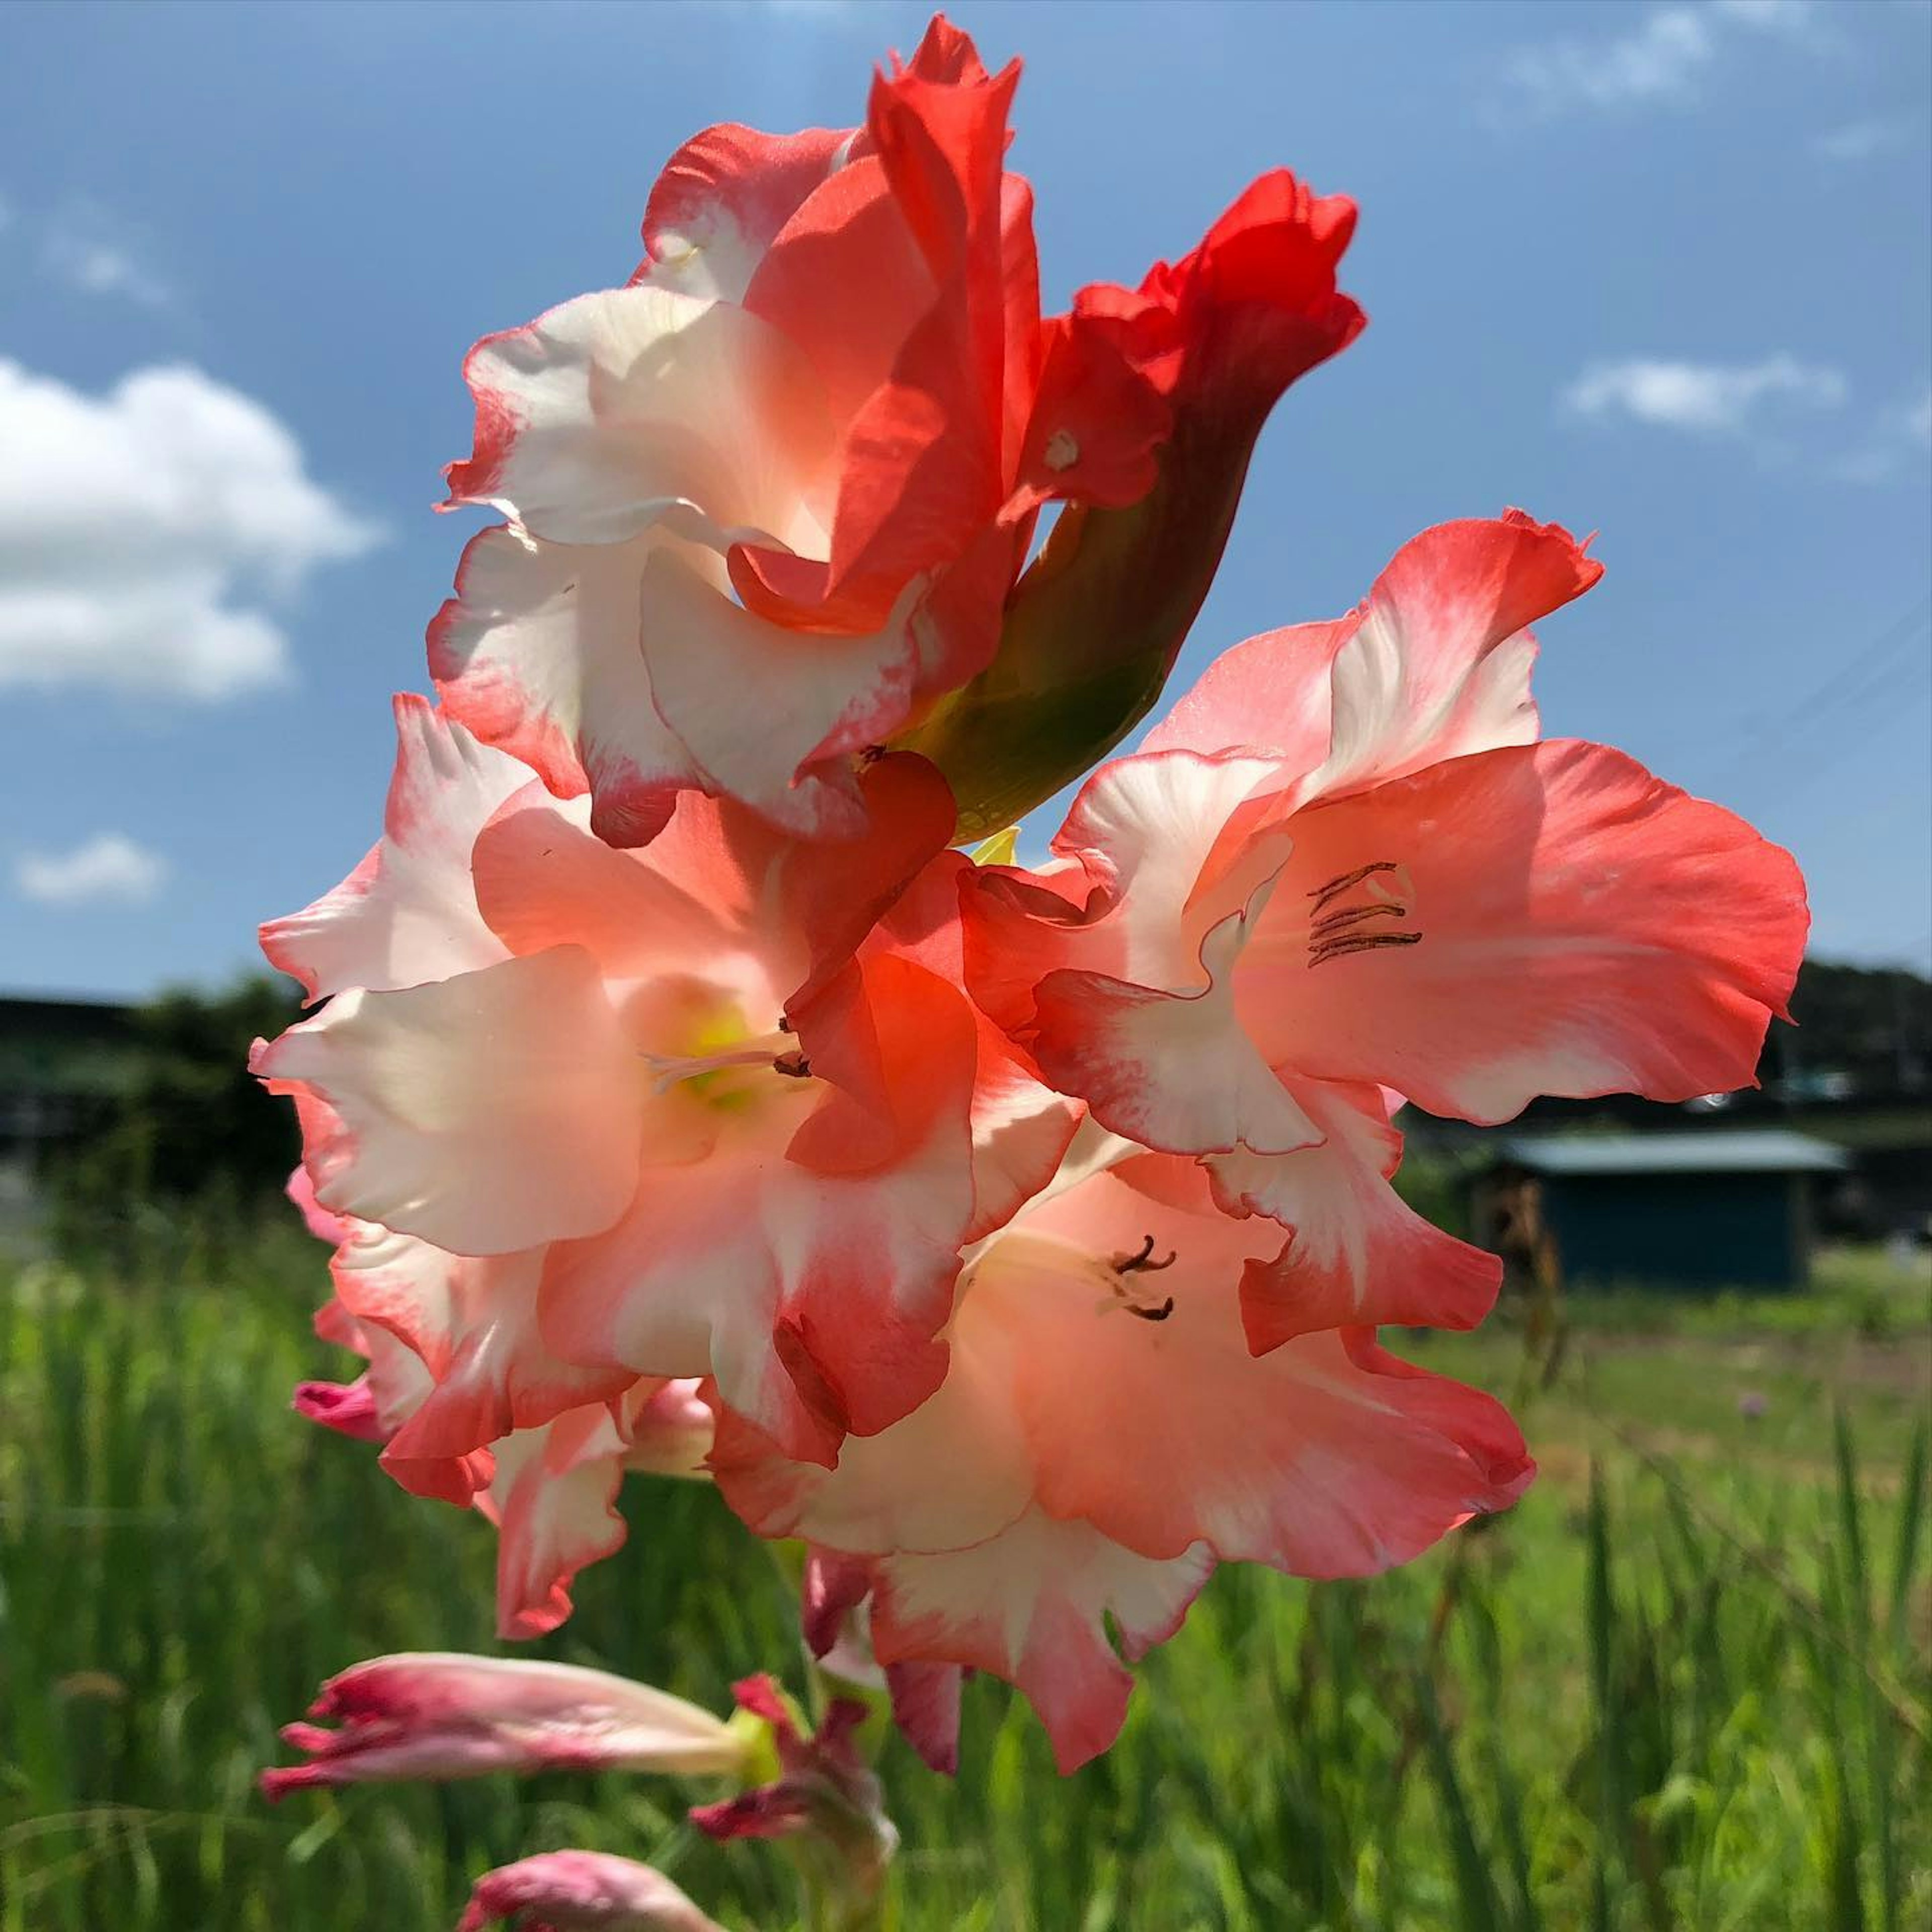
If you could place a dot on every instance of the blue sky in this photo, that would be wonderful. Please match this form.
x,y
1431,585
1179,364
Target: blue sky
x,y
1663,272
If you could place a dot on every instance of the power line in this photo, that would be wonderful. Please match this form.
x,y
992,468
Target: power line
x,y
1891,654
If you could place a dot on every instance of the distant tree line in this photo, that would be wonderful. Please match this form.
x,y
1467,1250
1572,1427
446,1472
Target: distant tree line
x,y
187,1117
1873,1025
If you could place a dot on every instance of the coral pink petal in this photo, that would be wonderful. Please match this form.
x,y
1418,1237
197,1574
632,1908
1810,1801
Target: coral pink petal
x,y
722,199
1173,1071
922,455
405,914
1255,304
538,653
926,1707
1299,1459
544,879
474,1320
641,408
816,696
1272,693
319,1221
556,1516
1438,666
485,1113
1357,1253
1031,1605
1584,928
1434,664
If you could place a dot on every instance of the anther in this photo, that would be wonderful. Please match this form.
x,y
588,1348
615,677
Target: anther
x,y
1322,895
1141,1263
1158,1314
794,1065
1348,915
1360,942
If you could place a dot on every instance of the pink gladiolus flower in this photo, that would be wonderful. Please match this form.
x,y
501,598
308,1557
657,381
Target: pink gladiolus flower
x,y
601,1114
438,1716
581,1892
1016,1237
1102,1438
1343,864
767,503
805,444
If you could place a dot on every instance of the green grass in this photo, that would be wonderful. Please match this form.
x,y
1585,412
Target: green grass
x,y
1686,1684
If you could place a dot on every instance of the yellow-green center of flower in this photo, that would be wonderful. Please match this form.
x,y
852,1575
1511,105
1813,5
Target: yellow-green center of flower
x,y
700,1044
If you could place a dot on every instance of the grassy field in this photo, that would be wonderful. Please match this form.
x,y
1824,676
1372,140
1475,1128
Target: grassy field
x,y
1686,1684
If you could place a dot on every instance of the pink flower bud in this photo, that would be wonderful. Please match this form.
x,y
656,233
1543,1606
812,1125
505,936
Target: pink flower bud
x,y
563,1891
438,1716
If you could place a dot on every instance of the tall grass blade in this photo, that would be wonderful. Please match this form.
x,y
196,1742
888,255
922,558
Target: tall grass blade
x,y
1601,1615
1911,1525
1481,1910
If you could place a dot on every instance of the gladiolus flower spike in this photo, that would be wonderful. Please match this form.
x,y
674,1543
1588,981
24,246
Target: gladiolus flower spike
x,y
680,1103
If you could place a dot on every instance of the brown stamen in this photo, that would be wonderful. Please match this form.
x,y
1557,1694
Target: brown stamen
x,y
1160,1314
1322,895
1348,915
1360,942
793,1065
1141,1263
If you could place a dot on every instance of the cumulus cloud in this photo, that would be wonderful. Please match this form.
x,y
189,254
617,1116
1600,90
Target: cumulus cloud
x,y
1664,57
108,867
1715,398
147,535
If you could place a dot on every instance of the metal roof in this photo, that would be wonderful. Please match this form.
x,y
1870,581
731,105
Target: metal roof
x,y
1769,1151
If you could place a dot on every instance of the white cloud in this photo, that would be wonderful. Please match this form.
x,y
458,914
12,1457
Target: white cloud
x,y
101,268
1859,141
1894,445
85,247
143,532
1664,57
108,867
1783,16
1716,398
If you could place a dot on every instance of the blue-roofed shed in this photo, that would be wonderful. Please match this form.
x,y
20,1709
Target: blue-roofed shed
x,y
1710,1210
